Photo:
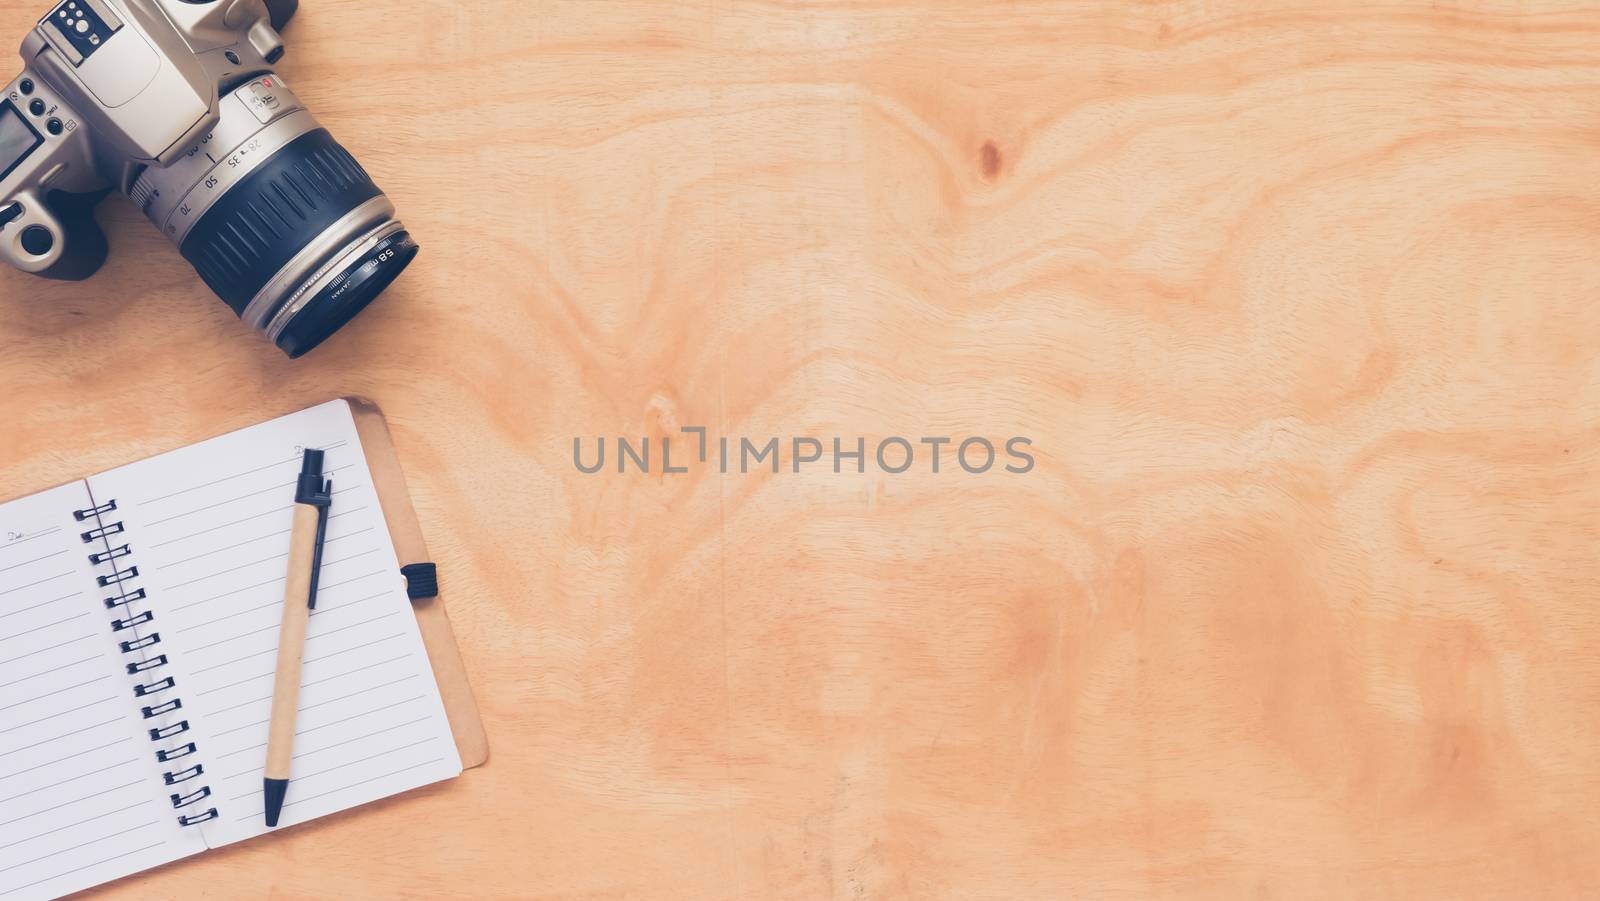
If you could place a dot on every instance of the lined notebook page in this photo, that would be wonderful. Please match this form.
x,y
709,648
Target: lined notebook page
x,y
81,799
210,531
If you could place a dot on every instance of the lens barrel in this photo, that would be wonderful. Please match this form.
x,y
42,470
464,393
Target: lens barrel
x,y
265,220
278,219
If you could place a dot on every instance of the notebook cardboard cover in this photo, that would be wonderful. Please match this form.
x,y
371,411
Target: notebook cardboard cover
x,y
448,669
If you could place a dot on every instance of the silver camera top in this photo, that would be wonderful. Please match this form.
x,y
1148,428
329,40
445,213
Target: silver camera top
x,y
109,87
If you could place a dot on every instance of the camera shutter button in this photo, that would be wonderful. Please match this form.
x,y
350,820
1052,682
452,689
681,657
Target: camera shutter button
x,y
37,240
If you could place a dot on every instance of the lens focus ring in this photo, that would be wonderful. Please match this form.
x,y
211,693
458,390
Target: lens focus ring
x,y
268,218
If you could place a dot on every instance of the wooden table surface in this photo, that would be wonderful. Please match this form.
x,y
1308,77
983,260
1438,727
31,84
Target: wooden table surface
x,y
1297,304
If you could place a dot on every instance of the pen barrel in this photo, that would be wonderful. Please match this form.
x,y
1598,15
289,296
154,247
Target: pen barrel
x,y
292,641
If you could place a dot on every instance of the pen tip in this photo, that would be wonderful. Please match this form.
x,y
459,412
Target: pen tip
x,y
275,789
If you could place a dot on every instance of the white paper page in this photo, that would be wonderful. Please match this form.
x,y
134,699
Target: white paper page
x,y
81,798
211,525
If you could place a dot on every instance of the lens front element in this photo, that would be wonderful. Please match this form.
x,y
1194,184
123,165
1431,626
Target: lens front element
x,y
343,291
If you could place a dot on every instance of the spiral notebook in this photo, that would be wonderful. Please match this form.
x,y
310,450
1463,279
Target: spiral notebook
x,y
139,613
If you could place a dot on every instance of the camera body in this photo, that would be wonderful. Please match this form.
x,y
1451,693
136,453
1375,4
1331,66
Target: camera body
x,y
175,104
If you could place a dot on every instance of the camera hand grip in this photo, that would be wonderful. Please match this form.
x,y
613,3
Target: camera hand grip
x,y
54,237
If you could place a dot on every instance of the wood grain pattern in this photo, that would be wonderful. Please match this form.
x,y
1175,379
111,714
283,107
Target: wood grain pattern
x,y
1297,303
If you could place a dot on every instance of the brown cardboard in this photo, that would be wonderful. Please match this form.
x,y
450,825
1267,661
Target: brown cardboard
x,y
437,636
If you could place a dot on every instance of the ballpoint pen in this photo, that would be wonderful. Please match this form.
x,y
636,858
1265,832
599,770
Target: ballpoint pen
x,y
312,497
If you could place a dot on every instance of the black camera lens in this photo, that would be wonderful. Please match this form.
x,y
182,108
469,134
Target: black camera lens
x,y
307,199
357,285
286,227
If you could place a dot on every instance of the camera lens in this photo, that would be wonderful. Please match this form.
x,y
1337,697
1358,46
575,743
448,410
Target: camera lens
x,y
345,290
278,219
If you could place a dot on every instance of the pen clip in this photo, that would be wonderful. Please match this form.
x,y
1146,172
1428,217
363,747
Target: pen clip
x,y
322,500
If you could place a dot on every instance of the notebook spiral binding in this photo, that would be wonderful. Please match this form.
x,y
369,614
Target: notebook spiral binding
x,y
160,688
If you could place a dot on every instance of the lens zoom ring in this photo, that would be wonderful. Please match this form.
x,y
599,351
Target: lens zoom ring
x,y
273,214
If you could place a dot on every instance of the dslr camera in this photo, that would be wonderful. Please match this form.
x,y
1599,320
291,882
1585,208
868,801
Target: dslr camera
x,y
175,104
